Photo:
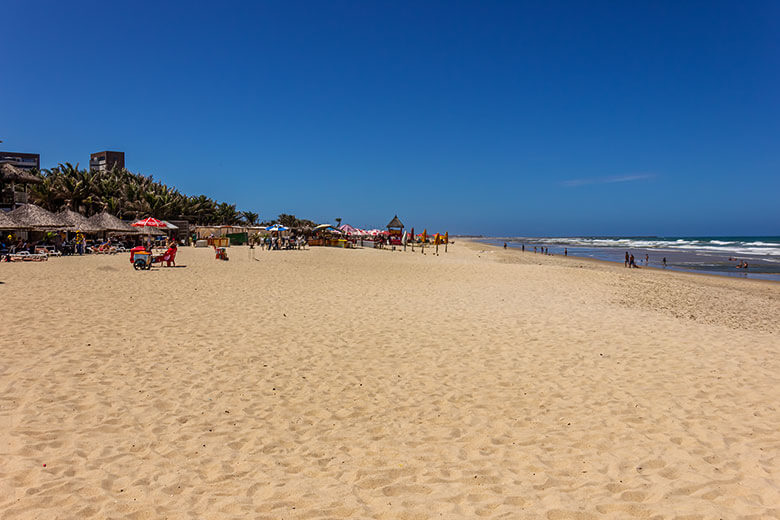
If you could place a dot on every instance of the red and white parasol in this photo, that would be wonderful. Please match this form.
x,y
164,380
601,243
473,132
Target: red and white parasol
x,y
150,222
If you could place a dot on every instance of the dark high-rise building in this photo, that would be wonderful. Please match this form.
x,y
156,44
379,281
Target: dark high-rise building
x,y
106,160
26,161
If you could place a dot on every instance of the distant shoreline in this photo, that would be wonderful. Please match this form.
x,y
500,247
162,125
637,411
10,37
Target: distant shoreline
x,y
754,276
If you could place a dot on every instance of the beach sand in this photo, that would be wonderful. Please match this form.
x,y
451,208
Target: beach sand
x,y
374,384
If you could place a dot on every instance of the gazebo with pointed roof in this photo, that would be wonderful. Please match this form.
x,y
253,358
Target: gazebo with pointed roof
x,y
396,230
395,224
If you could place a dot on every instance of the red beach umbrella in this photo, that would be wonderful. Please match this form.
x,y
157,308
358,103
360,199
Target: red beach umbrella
x,y
150,222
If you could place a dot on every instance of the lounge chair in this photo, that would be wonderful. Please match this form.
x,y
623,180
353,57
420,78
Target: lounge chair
x,y
169,257
26,256
47,250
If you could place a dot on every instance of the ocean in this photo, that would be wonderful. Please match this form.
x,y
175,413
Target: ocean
x,y
713,255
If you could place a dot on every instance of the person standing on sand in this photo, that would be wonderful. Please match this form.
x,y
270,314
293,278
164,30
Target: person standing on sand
x,y
504,245
647,259
565,252
523,248
625,264
664,261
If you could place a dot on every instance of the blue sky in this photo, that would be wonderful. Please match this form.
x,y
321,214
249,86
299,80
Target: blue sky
x,y
503,118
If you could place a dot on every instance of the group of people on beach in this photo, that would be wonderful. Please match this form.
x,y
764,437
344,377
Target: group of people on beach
x,y
278,243
540,249
631,261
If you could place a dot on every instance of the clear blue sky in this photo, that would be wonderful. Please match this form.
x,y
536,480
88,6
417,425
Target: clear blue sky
x,y
544,118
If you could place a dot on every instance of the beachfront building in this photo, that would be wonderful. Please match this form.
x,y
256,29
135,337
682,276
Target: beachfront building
x,y
25,161
104,161
13,185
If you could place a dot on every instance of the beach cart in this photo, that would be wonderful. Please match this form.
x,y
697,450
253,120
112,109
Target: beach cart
x,y
140,258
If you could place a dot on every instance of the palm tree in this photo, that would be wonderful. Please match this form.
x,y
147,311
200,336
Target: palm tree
x,y
132,195
250,218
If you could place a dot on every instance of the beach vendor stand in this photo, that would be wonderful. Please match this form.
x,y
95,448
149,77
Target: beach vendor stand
x,y
328,235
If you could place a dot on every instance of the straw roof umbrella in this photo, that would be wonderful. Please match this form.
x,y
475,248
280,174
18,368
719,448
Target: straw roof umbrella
x,y
107,222
12,174
30,216
78,222
7,222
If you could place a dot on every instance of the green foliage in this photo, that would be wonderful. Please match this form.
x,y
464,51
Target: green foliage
x,y
128,195
291,221
250,218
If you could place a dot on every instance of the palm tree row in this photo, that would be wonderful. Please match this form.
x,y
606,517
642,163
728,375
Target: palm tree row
x,y
129,195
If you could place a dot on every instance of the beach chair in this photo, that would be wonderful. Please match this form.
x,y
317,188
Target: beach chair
x,y
26,256
52,251
169,257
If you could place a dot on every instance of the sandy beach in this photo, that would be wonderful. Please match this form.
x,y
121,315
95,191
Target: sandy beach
x,y
328,383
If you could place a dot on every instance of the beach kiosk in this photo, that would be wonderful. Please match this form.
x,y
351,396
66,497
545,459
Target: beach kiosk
x,y
396,230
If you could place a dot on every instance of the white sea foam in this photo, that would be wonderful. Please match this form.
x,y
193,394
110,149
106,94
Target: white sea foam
x,y
729,247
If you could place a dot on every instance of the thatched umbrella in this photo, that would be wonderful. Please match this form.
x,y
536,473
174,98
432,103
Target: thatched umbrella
x,y
12,174
30,216
7,222
78,222
107,222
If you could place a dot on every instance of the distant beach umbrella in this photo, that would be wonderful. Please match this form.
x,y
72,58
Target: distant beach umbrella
x,y
323,227
349,230
276,227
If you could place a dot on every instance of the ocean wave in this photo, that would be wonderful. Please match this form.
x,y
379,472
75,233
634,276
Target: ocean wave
x,y
733,250
704,244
